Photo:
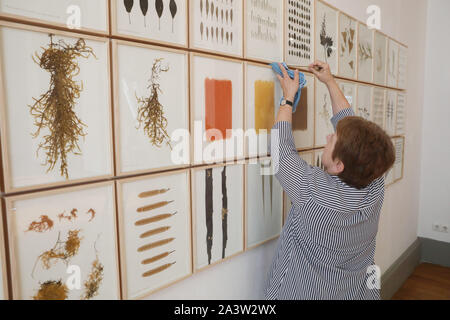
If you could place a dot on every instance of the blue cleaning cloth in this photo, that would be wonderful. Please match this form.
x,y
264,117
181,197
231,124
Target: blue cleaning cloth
x,y
302,80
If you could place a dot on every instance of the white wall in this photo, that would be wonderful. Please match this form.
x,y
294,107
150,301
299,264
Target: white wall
x,y
243,277
435,176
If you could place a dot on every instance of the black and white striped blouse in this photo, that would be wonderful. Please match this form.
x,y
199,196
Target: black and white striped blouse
x,y
328,241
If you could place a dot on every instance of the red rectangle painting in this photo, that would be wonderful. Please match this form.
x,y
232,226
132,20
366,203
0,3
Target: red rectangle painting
x,y
218,108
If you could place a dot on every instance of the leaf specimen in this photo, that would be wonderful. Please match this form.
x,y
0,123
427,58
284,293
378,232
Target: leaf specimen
x,y
157,258
155,244
173,10
72,216
325,40
92,213
159,5
129,6
54,110
144,9
224,212
209,211
52,290
152,193
92,284
154,219
150,111
154,232
154,206
43,224
157,270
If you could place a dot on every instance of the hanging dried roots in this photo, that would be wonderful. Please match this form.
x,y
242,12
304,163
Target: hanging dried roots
x,y
150,111
53,111
52,290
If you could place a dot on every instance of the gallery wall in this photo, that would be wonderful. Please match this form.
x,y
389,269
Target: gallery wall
x,y
434,200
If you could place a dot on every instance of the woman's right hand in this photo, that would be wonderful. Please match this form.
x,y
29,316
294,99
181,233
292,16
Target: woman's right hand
x,y
322,71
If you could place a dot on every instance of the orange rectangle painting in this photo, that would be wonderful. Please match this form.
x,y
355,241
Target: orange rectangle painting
x,y
218,109
264,105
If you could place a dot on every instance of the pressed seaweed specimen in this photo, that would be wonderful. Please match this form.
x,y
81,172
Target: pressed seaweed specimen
x,y
54,110
325,40
153,232
173,10
73,215
224,211
92,213
92,284
154,206
52,290
157,270
150,110
144,9
153,193
209,211
155,244
129,6
43,224
159,6
154,219
157,258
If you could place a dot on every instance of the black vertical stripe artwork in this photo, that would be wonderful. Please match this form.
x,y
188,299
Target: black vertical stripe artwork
x,y
224,211
209,211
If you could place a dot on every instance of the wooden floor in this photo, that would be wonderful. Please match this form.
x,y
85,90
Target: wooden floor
x,y
428,282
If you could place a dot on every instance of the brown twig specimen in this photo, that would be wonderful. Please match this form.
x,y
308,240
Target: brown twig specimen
x,y
53,111
157,258
154,232
92,285
155,244
72,216
152,193
154,206
150,111
154,219
52,290
92,213
157,270
42,225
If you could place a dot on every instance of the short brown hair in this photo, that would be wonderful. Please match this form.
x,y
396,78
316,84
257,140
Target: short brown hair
x,y
365,150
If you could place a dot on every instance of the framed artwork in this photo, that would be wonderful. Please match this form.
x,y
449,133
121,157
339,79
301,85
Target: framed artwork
x,y
365,53
327,35
217,26
324,113
364,104
217,98
309,158
46,105
155,232
391,104
399,144
349,90
318,159
3,277
389,177
71,14
299,32
379,106
402,66
303,118
264,30
218,214
160,21
63,244
392,64
379,64
263,204
400,118
347,46
147,112
263,95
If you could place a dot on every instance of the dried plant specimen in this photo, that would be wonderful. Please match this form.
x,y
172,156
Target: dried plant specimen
x,y
54,111
43,224
154,219
144,9
157,270
154,232
128,7
70,217
209,211
61,251
348,44
92,213
150,111
173,10
224,211
154,206
325,40
157,258
155,245
159,5
52,290
152,193
92,284
365,51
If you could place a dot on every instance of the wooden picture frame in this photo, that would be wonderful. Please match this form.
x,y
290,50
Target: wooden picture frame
x,y
379,106
391,107
157,232
3,271
151,16
392,63
380,60
364,102
401,114
251,46
304,138
252,239
91,170
41,232
349,89
299,59
399,144
237,50
72,9
240,221
365,56
198,113
402,67
145,156
323,115
327,52
348,48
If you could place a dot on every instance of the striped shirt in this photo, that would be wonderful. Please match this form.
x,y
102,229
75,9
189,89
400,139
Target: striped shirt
x,y
328,241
